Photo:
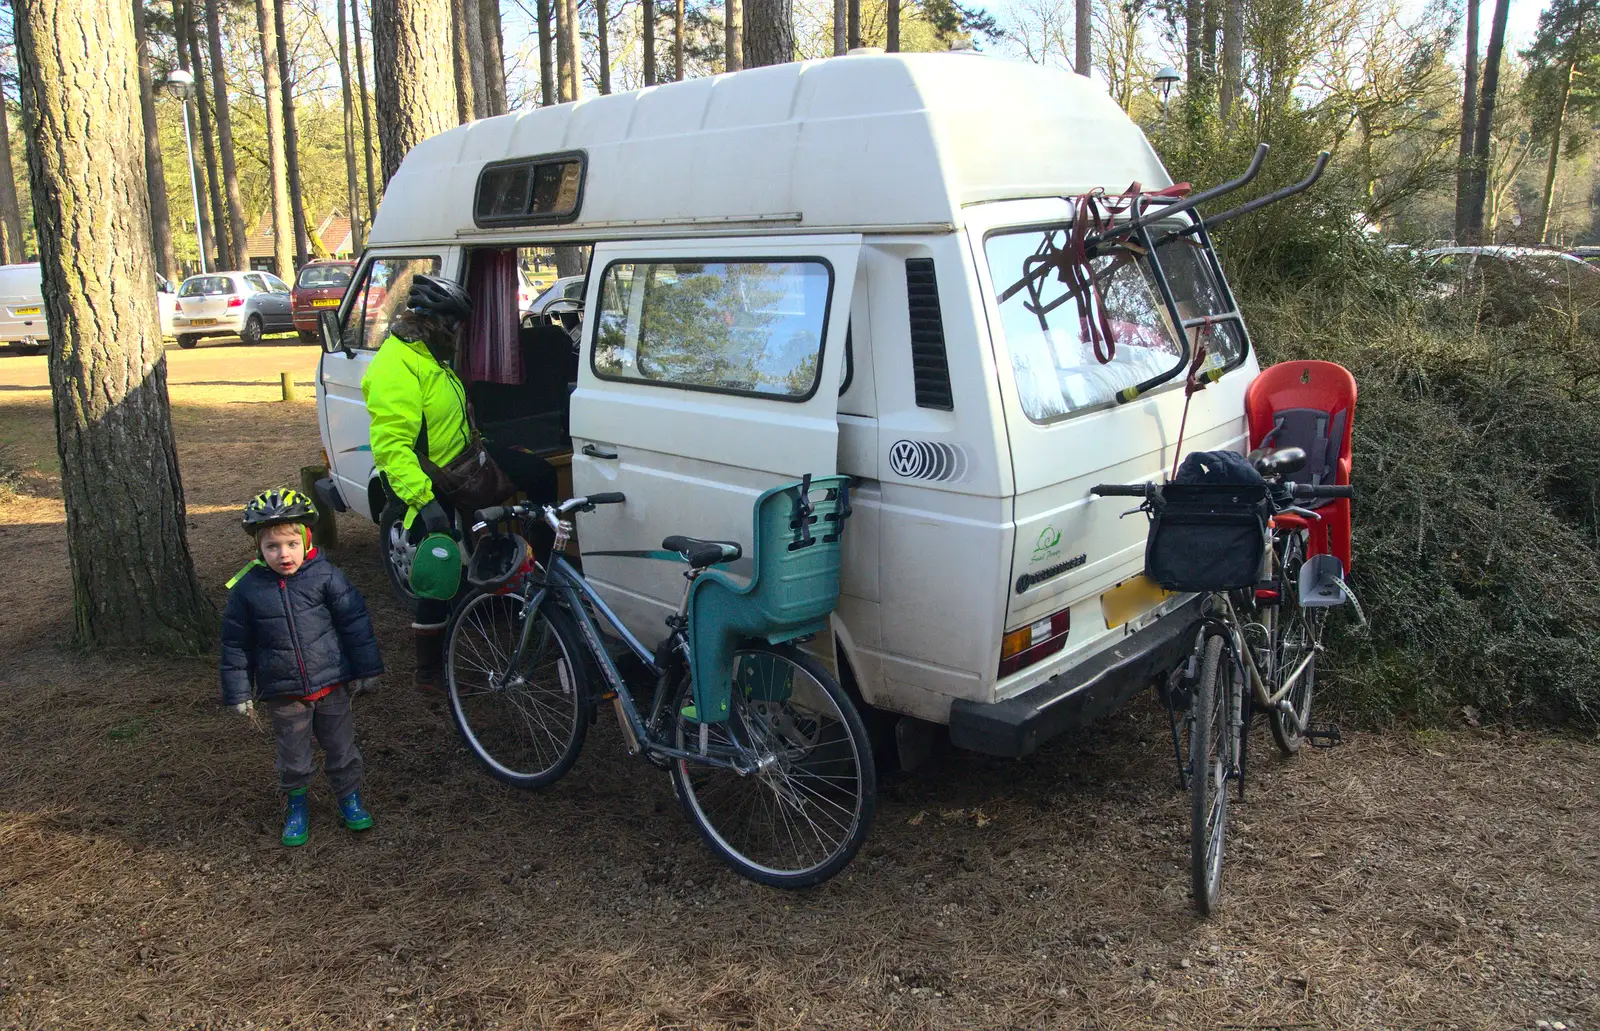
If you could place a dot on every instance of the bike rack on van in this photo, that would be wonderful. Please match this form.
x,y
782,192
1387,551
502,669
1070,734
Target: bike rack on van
x,y
1134,239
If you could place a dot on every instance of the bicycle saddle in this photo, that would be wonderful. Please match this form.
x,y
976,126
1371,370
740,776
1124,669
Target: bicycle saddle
x,y
700,554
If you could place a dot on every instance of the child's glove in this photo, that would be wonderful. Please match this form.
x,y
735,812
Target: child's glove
x,y
244,708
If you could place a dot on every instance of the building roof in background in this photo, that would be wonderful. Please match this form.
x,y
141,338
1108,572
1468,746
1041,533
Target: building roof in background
x,y
333,230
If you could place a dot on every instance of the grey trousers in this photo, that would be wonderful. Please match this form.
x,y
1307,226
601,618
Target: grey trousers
x,y
330,720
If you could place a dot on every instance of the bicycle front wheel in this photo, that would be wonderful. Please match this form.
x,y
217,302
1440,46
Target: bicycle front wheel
x,y
1299,631
1211,751
802,816
527,724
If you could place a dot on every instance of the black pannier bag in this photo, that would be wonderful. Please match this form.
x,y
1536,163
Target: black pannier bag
x,y
1208,526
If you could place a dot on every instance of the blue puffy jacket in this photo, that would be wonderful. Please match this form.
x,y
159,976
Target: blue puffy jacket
x,y
290,636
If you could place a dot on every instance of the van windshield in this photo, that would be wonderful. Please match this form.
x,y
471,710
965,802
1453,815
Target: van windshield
x,y
1056,368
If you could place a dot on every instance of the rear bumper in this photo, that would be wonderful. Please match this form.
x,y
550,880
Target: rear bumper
x,y
1094,688
221,325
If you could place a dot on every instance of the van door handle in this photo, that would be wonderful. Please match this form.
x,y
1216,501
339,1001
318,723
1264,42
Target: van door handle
x,y
594,452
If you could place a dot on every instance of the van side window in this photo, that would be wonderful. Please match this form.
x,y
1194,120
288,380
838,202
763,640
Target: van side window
x,y
746,327
379,297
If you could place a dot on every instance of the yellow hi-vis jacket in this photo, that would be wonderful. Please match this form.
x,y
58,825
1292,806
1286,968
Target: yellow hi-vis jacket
x,y
405,384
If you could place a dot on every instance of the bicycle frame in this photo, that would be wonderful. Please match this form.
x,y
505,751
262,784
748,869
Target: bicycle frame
x,y
569,586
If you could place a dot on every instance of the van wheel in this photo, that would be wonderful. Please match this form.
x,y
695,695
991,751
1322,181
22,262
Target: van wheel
x,y
392,531
251,333
187,342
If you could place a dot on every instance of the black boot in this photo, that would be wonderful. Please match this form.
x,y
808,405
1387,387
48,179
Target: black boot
x,y
429,675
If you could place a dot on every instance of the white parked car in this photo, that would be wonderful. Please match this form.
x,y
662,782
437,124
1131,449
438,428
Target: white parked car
x,y
22,323
244,304
166,303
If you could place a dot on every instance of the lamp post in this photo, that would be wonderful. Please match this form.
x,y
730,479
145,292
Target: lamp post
x,y
181,83
1166,78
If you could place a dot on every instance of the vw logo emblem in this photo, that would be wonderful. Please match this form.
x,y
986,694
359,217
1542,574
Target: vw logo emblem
x,y
905,458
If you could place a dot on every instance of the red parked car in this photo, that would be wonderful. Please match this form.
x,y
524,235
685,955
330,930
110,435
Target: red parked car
x,y
321,285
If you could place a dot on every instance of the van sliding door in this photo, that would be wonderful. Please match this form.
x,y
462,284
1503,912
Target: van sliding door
x,y
710,372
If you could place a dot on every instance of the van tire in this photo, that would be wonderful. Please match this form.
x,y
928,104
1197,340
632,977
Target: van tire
x,y
188,342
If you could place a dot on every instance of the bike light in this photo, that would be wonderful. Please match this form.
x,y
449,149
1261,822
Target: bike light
x,y
1043,637
236,302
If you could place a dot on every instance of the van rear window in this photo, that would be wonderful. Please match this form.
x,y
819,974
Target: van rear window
x,y
205,286
529,191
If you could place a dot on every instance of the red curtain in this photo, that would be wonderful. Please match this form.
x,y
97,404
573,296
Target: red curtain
x,y
492,351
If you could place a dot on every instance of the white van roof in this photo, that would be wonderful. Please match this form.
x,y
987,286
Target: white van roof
x,y
864,141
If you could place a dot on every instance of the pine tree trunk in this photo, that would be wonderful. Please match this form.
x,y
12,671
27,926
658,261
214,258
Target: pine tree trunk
x,y
892,29
733,35
277,172
1555,142
1193,15
155,179
603,41
677,41
648,17
291,142
547,66
567,26
1082,37
415,95
494,57
1481,135
181,30
841,27
1469,119
217,225
1232,57
852,24
352,177
461,52
366,110
769,38
12,247
237,227
133,578
472,29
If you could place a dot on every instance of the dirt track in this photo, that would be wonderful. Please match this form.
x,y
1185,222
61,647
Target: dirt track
x,y
1436,880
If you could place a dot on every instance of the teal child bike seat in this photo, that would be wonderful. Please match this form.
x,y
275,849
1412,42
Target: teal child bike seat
x,y
795,551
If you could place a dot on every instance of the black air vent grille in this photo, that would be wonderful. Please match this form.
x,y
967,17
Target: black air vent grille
x,y
930,368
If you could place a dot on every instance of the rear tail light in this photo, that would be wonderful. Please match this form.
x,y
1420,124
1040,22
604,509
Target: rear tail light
x,y
236,302
177,306
1043,637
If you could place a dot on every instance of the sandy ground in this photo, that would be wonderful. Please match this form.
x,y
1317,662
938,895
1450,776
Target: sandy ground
x,y
1405,880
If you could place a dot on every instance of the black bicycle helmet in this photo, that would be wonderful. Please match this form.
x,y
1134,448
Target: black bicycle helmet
x,y
278,505
496,560
431,295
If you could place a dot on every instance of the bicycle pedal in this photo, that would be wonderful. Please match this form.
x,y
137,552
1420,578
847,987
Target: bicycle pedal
x,y
1324,735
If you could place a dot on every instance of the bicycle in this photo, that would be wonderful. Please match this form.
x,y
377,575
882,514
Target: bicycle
x,y
782,789
1265,609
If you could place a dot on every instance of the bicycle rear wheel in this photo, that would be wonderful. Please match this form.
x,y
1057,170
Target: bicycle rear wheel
x,y
526,725
1298,633
1212,732
799,819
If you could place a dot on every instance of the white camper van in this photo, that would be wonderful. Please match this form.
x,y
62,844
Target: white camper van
x,y
857,265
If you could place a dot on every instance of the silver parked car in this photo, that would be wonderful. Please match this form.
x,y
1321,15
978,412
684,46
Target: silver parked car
x,y
247,304
22,325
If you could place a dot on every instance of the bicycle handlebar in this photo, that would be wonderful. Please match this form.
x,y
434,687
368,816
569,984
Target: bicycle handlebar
x,y
483,517
1327,490
1122,490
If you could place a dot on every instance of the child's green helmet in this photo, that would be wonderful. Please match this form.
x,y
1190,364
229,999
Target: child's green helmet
x,y
436,567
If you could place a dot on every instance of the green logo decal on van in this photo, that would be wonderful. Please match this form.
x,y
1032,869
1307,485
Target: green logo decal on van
x,y
1048,545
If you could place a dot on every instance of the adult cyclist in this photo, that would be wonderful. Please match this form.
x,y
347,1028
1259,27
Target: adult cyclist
x,y
411,381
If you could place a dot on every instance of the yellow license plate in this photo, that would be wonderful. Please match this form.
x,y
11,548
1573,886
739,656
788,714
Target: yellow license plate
x,y
326,302
1131,599
202,322
26,311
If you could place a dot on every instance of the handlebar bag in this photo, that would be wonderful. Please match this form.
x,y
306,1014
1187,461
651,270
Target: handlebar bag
x,y
1208,527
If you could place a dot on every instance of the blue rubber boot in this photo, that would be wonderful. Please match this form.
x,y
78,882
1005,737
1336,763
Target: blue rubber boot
x,y
355,814
297,819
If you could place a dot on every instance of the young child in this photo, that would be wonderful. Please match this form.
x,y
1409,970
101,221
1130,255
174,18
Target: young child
x,y
296,635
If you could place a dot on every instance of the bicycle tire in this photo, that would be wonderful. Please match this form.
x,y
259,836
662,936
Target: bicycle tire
x,y
1210,761
481,636
1297,630
797,788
